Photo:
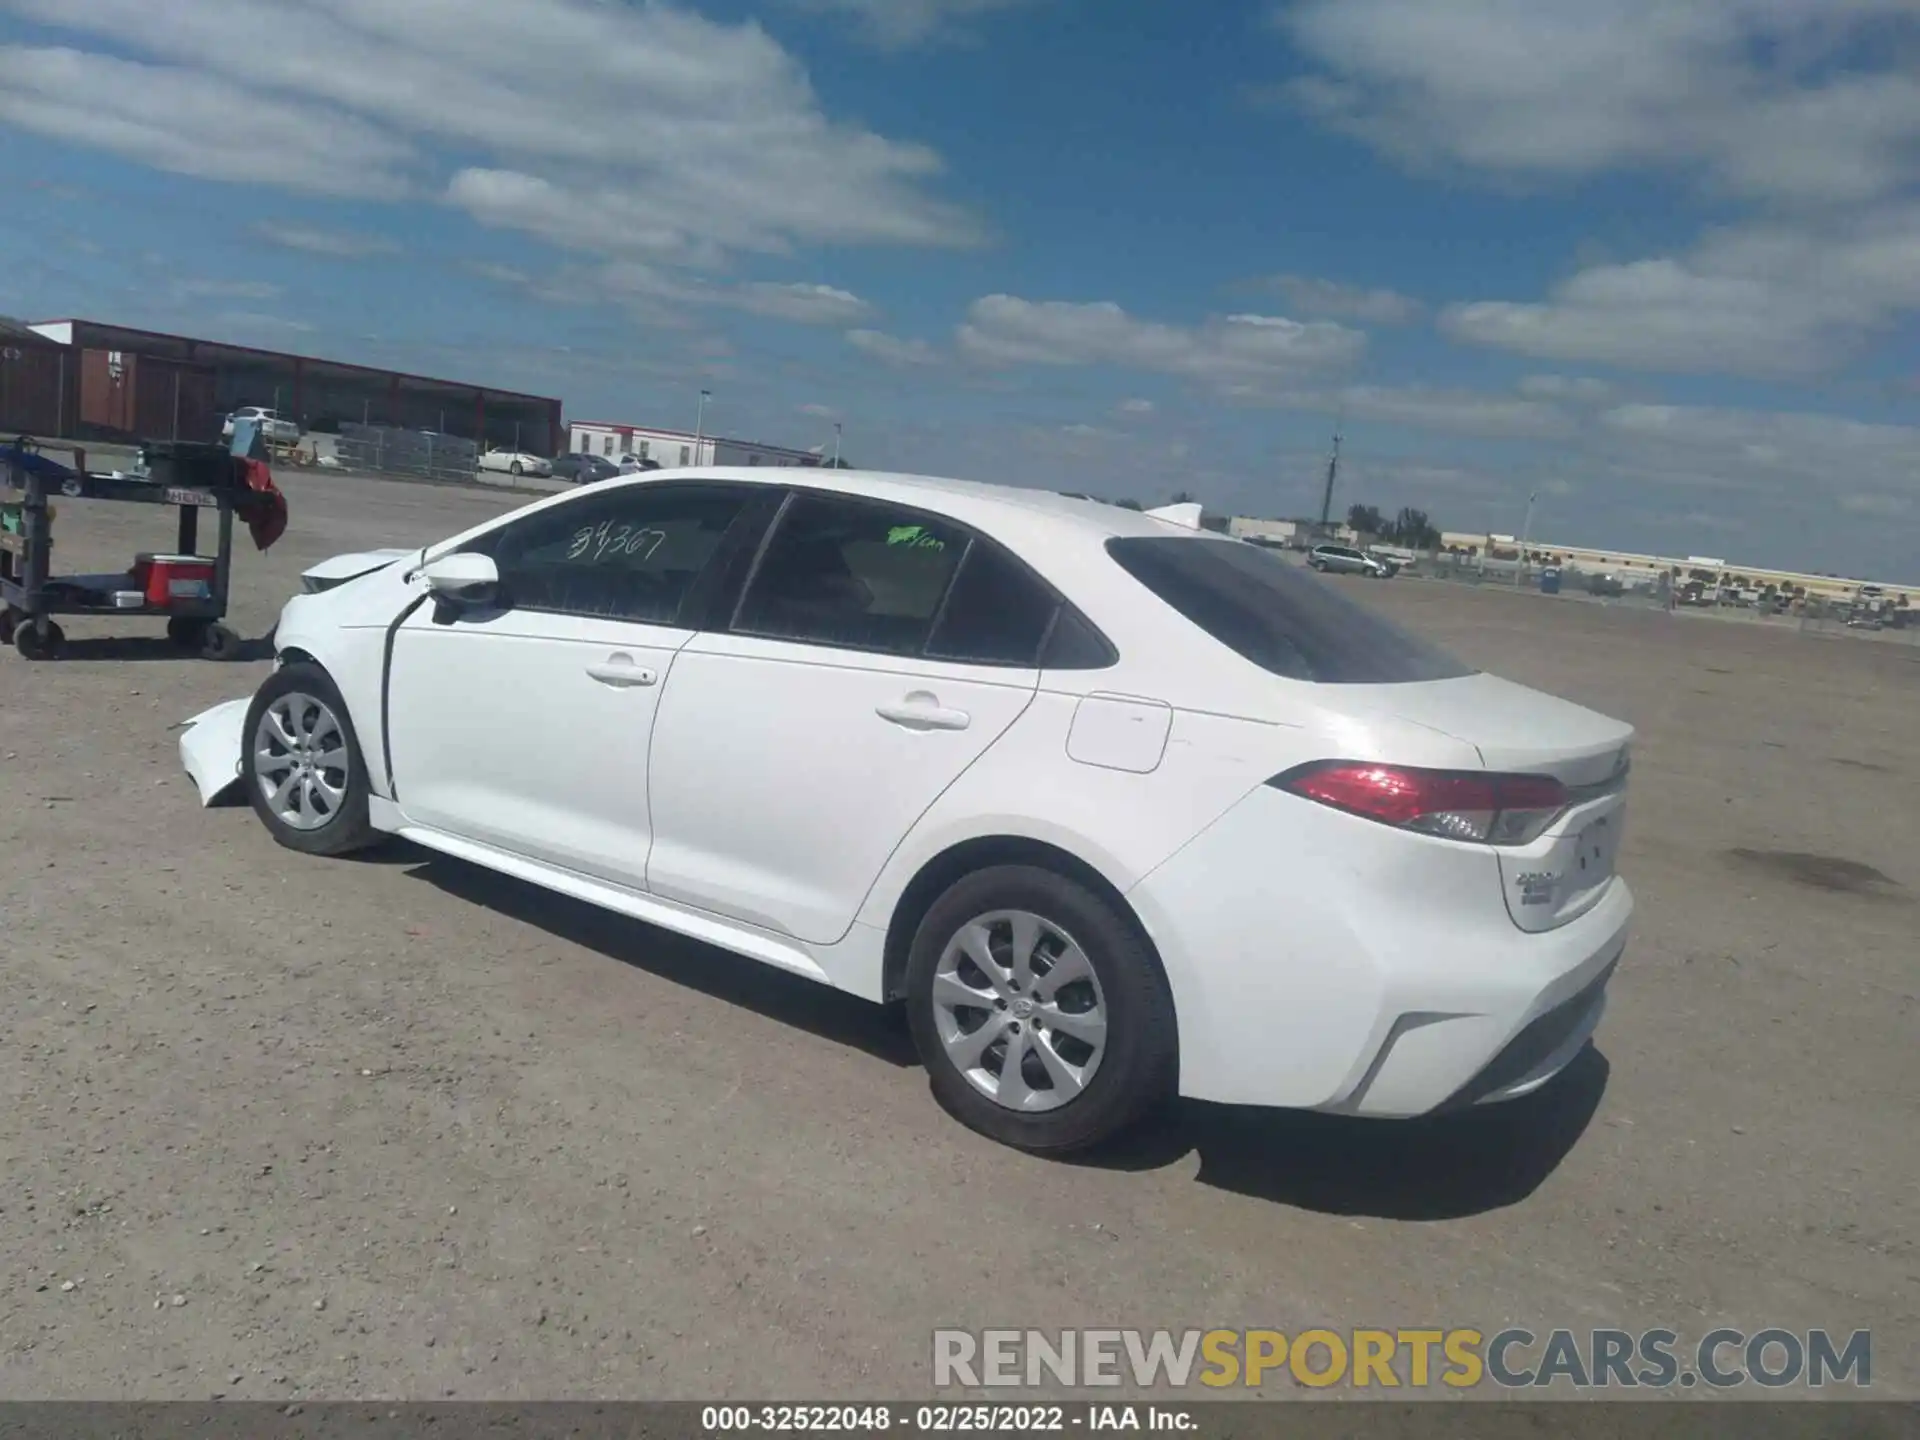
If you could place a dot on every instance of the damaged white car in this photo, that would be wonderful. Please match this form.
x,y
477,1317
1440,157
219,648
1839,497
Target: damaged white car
x,y
1119,807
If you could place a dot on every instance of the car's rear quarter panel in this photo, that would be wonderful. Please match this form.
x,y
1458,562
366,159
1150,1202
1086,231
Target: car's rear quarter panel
x,y
1301,936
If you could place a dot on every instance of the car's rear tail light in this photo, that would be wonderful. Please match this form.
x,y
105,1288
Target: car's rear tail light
x,y
1452,804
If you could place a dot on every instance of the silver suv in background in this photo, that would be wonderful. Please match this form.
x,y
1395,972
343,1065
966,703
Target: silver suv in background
x,y
1345,560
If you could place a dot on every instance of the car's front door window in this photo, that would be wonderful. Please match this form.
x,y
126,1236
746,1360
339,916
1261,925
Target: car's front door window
x,y
628,554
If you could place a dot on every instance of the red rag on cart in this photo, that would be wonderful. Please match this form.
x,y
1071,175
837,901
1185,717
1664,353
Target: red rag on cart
x,y
265,511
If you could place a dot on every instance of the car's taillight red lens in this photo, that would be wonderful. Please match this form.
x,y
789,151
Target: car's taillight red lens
x,y
1453,804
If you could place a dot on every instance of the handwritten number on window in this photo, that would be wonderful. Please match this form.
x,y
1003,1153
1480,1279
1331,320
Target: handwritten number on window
x,y
608,541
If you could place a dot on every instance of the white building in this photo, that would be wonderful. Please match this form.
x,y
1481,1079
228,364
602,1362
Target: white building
x,y
1269,532
677,449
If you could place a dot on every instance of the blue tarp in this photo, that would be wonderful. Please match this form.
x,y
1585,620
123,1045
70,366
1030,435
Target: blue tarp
x,y
12,454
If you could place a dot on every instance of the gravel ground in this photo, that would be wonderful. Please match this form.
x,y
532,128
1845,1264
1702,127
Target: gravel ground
x,y
282,1128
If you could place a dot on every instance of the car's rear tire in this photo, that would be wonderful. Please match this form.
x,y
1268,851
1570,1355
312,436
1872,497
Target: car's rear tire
x,y
1097,1044
515,468
302,764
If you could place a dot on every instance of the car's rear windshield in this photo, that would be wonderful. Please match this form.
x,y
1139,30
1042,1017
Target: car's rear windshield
x,y
1277,615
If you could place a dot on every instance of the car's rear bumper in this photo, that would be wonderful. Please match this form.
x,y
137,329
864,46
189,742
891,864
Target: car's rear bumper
x,y
1320,961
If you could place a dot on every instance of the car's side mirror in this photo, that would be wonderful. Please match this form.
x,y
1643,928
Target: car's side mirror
x,y
461,582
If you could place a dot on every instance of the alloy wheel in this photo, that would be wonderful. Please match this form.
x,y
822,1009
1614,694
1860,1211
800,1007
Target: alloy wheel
x,y
300,761
1019,1010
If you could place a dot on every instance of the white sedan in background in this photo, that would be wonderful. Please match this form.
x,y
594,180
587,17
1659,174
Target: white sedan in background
x,y
269,423
515,462
1120,809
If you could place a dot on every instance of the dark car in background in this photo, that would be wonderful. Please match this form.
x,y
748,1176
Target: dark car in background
x,y
584,469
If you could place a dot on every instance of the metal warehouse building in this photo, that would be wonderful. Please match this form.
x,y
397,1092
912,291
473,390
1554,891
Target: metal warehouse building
x,y
679,448
90,381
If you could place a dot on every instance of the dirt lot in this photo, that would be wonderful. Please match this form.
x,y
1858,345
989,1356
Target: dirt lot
x,y
279,1127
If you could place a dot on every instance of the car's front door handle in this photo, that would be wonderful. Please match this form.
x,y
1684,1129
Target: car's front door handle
x,y
921,711
620,671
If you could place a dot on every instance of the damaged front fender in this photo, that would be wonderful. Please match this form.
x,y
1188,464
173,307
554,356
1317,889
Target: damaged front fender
x,y
210,749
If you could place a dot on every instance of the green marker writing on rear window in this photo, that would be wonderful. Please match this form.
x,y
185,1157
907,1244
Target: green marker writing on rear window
x,y
915,535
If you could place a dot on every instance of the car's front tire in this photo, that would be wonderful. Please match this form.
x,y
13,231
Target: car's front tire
x,y
302,764
516,469
1040,1011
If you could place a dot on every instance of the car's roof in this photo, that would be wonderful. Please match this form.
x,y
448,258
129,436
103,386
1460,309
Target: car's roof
x,y
1061,537
969,501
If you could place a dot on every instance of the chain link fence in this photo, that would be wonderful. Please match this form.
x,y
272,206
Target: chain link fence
x,y
1811,614
1646,590
1840,617
388,450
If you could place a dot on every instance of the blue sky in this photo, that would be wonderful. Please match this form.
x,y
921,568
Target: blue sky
x,y
1658,264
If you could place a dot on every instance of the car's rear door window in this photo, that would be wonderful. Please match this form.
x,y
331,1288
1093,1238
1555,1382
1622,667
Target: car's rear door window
x,y
860,574
1281,618
998,613
852,573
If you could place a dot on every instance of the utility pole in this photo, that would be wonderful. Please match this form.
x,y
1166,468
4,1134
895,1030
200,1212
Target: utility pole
x,y
1526,530
700,427
836,444
1333,471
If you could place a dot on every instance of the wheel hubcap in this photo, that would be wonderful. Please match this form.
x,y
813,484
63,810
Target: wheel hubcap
x,y
1019,1010
300,761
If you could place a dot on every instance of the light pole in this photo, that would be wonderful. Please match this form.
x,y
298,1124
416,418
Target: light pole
x,y
700,427
836,444
1526,530
1333,471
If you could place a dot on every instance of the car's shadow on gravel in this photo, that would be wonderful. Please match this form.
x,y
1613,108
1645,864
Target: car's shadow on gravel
x,y
790,999
146,648
1428,1169
1442,1168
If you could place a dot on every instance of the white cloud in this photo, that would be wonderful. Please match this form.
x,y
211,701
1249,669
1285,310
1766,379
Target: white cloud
x,y
1806,110
1658,314
1422,407
1778,461
821,412
225,289
1765,299
1800,101
1135,407
1310,296
655,294
1235,352
1573,389
804,304
891,349
1883,506
243,322
500,274
341,244
612,128
896,24
171,118
1462,411
1786,443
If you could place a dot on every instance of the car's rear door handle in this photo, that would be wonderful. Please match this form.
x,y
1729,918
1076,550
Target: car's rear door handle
x,y
620,671
921,711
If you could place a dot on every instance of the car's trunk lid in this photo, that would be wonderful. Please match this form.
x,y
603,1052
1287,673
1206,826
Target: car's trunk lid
x,y
1515,730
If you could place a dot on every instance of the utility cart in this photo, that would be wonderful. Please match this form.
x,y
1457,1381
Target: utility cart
x,y
186,588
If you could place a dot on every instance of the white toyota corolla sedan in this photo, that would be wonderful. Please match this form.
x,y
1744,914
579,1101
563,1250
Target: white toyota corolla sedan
x,y
1120,809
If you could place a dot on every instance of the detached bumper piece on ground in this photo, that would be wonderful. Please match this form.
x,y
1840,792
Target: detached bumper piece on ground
x,y
185,587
